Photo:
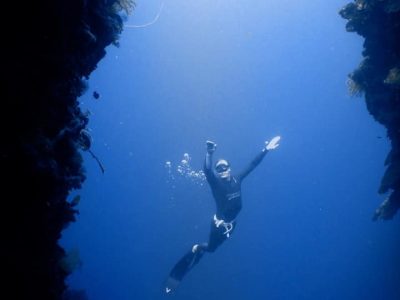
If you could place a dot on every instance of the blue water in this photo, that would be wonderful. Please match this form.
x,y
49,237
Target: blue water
x,y
238,73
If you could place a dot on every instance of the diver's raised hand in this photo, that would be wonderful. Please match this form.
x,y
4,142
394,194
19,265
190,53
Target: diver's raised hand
x,y
211,146
273,144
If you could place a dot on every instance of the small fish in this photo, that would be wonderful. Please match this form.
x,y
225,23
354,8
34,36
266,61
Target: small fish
x,y
96,95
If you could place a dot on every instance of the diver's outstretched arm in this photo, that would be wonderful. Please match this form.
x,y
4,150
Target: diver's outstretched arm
x,y
272,145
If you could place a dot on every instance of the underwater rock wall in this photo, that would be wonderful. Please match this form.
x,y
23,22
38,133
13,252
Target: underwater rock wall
x,y
50,49
378,79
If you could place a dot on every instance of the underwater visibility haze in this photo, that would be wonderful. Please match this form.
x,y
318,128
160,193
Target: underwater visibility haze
x,y
237,73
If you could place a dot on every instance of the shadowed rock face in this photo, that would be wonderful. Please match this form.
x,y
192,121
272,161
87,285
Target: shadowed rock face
x,y
378,79
50,48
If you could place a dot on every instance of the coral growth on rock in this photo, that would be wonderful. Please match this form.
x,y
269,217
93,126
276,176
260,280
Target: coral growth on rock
x,y
378,78
50,49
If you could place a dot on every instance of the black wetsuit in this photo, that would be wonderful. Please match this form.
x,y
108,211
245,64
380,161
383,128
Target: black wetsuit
x,y
228,198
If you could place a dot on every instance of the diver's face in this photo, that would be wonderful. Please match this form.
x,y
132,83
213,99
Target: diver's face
x,y
223,171
225,175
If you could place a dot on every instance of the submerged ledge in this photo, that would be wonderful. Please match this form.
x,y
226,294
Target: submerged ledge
x,y
378,79
51,48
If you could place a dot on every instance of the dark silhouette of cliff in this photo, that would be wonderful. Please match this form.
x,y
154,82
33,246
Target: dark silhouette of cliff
x,y
378,79
50,48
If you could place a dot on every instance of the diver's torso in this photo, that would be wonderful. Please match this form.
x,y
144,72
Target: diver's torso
x,y
227,195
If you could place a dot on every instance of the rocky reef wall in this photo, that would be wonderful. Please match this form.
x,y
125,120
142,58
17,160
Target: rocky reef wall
x,y
377,78
51,48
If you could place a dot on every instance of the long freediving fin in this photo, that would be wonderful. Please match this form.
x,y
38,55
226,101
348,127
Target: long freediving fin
x,y
181,268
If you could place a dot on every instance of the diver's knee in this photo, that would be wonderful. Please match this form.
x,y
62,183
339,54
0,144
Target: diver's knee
x,y
200,247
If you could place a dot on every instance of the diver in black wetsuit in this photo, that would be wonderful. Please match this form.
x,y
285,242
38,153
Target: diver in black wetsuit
x,y
226,190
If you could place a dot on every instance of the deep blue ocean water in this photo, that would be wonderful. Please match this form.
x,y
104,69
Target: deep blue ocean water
x,y
238,73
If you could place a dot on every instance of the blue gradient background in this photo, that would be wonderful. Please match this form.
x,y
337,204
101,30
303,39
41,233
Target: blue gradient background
x,y
239,73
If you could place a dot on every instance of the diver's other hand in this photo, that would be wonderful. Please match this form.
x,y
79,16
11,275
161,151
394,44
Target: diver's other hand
x,y
211,146
273,144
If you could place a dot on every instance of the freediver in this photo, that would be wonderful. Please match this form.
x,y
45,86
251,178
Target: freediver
x,y
226,190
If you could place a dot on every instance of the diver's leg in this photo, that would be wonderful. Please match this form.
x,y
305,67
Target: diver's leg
x,y
217,237
192,257
182,267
